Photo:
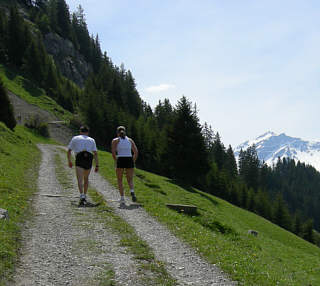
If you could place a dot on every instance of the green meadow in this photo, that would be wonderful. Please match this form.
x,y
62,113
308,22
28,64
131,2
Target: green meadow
x,y
219,232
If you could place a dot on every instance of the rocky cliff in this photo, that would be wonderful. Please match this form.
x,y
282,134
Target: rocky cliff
x,y
69,61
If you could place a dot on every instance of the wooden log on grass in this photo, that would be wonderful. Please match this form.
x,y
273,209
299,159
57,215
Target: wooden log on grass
x,y
187,209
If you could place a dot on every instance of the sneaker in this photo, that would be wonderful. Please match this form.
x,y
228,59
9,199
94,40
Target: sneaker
x,y
82,202
122,203
133,196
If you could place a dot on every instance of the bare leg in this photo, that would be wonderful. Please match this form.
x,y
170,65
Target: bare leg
x,y
129,175
80,175
86,174
119,173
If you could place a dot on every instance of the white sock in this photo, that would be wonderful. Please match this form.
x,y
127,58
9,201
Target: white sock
x,y
122,198
132,190
82,196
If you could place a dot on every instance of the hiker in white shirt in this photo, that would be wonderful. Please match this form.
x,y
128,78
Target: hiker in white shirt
x,y
124,153
85,150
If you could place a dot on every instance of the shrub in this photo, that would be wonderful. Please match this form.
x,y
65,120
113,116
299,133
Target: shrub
x,y
36,123
76,122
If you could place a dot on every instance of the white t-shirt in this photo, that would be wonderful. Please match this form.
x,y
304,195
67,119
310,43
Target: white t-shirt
x,y
124,147
82,143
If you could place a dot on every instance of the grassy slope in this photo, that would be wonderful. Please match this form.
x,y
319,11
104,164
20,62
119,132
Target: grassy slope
x,y
19,162
219,233
31,94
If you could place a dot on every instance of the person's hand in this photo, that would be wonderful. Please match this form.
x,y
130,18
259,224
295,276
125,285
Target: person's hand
x,y
96,169
70,164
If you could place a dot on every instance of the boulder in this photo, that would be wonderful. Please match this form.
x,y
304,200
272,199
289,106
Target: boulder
x,y
253,232
4,214
187,209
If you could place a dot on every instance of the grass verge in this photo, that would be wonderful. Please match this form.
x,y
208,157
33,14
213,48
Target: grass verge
x,y
220,233
19,164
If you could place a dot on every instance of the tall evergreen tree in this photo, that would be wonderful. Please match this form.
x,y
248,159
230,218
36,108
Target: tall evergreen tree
x,y
186,151
6,109
208,136
218,151
249,167
52,13
308,231
17,41
3,37
63,19
281,214
230,164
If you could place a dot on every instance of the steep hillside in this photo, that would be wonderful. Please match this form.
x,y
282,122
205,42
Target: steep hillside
x,y
30,102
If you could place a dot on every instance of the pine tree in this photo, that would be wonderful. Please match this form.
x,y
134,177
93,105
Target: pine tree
x,y
218,151
41,4
230,164
208,136
281,214
79,26
186,151
16,41
308,231
52,13
3,37
297,225
164,114
63,19
33,62
249,167
6,109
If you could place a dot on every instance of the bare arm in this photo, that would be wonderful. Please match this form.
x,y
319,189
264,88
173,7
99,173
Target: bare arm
x,y
114,144
95,155
69,158
134,150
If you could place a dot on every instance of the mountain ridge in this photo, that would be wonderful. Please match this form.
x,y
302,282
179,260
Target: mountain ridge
x,y
270,146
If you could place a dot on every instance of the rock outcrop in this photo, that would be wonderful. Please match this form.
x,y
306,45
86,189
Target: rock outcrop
x,y
69,61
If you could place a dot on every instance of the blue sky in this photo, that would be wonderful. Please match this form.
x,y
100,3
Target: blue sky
x,y
250,66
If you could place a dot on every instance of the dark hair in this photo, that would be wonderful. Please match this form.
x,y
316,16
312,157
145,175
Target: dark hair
x,y
121,131
84,129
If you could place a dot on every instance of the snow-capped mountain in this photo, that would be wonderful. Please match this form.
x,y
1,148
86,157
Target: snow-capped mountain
x,y
270,146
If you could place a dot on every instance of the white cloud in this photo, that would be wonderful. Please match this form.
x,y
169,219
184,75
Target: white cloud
x,y
159,88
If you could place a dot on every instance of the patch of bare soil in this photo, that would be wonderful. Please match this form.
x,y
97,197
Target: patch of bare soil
x,y
24,110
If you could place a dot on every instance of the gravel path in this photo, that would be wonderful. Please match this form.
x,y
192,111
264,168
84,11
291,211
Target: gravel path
x,y
66,245
182,262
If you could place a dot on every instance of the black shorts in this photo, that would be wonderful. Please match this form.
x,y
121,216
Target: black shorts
x,y
84,160
125,162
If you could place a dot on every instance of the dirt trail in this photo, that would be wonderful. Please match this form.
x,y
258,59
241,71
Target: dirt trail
x,y
66,245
